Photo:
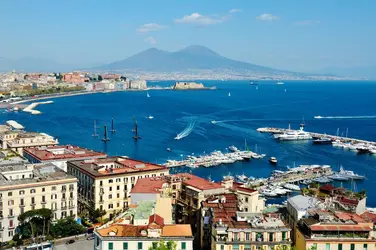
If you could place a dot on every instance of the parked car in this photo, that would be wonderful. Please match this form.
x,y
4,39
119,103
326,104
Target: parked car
x,y
71,241
91,237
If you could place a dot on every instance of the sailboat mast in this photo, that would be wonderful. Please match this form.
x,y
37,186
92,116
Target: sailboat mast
x,y
105,138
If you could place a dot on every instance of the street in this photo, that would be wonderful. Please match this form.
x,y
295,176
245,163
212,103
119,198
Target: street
x,y
78,245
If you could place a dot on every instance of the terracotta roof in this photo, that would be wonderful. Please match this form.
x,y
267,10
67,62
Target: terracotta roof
x,y
363,228
148,185
248,190
369,216
349,216
155,218
182,230
198,182
95,167
63,152
327,187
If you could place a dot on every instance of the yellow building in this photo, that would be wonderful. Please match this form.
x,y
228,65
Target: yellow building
x,y
105,183
34,186
325,230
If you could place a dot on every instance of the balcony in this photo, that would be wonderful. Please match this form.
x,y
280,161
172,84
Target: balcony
x,y
64,190
101,202
43,202
10,215
72,206
22,204
71,189
63,207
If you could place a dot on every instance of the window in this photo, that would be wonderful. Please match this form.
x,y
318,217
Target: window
x,y
110,246
43,198
125,245
9,194
11,223
139,245
173,187
154,245
247,236
22,202
110,196
32,200
10,202
327,246
53,188
118,180
246,199
183,246
110,181
118,187
235,247
125,187
22,192
247,247
222,247
101,183
43,189
340,246
118,196
32,191
236,236
364,246
352,247
110,188
10,212
110,206
271,236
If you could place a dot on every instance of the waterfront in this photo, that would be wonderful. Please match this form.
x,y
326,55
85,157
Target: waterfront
x,y
71,121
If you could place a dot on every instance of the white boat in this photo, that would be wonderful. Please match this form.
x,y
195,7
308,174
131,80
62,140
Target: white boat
x,y
322,180
318,117
350,174
233,148
147,94
229,94
280,83
339,177
150,117
291,186
213,122
294,135
273,160
372,150
242,178
268,192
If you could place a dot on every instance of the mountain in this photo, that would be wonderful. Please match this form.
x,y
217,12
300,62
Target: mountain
x,y
367,72
192,57
30,64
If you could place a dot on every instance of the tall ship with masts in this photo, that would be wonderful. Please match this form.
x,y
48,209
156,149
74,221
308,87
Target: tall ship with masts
x,y
105,137
135,130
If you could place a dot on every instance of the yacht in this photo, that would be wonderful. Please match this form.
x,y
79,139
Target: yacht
x,y
372,150
273,160
291,186
268,192
150,117
318,117
294,135
242,178
233,148
324,140
350,174
322,180
339,177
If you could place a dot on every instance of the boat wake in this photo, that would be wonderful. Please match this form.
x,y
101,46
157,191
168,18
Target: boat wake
x,y
187,131
346,117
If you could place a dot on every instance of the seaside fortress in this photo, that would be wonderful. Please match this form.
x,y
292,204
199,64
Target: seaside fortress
x,y
18,140
105,183
135,236
27,187
59,155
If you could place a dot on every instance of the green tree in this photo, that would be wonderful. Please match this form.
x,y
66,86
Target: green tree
x,y
162,245
97,215
66,227
34,223
100,78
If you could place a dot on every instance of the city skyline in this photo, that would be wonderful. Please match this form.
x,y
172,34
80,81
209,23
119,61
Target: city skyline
x,y
291,35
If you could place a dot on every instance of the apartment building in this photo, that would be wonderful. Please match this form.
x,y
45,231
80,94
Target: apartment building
x,y
334,230
143,237
18,140
105,183
59,155
33,186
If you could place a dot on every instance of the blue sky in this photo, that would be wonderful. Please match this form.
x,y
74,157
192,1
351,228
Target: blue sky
x,y
288,34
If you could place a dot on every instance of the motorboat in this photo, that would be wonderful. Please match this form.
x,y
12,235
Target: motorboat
x,y
322,180
168,149
339,177
280,83
306,182
273,160
324,140
318,117
291,186
232,148
268,192
242,178
337,143
213,122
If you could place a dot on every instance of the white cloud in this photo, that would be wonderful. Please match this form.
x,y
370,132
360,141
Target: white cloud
x,y
198,19
267,17
151,40
148,27
235,10
306,22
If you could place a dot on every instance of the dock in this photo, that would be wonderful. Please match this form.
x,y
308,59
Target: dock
x,y
341,139
15,125
31,107
214,159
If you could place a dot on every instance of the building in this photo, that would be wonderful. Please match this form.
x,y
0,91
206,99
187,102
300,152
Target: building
x,y
18,140
327,230
143,237
59,155
105,183
225,227
33,186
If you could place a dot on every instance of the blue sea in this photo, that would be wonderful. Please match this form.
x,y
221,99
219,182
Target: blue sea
x,y
190,113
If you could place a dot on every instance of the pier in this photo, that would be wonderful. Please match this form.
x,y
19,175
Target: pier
x,y
214,159
341,139
31,107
